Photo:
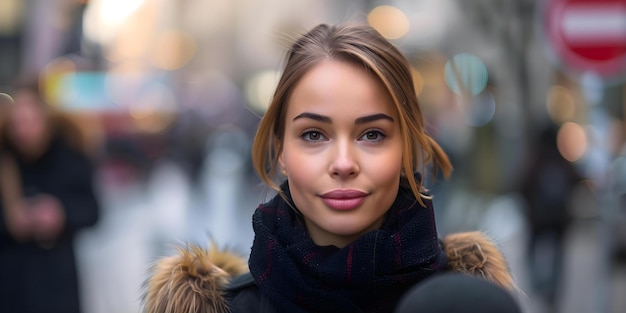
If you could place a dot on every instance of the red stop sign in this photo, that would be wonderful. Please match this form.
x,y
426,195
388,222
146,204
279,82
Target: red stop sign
x,y
588,36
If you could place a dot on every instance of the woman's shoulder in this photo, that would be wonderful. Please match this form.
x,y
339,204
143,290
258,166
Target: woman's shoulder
x,y
242,294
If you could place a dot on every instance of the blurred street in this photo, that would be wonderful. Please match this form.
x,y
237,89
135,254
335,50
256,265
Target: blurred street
x,y
527,98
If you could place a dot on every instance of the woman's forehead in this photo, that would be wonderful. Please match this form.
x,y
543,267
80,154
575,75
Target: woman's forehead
x,y
334,87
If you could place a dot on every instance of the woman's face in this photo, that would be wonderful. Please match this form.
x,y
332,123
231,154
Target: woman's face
x,y
342,151
28,128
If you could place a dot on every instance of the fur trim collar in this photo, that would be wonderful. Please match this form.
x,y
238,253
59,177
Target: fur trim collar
x,y
194,280
475,254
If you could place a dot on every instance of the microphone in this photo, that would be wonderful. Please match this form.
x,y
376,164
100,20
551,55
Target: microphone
x,y
457,293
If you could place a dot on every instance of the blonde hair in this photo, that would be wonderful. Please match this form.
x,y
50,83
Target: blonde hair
x,y
359,44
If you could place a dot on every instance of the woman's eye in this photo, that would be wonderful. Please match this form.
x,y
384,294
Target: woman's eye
x,y
373,135
313,136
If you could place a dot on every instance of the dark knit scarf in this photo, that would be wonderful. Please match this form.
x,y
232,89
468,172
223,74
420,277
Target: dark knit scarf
x,y
368,275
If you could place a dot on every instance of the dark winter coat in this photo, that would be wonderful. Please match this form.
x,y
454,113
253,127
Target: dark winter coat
x,y
44,279
207,281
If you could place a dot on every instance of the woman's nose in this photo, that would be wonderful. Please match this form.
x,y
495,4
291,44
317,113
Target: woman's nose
x,y
344,162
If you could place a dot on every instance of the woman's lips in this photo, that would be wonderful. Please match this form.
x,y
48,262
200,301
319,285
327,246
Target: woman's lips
x,y
343,200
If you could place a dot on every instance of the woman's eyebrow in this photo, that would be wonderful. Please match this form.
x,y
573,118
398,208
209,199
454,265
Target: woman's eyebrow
x,y
373,117
314,116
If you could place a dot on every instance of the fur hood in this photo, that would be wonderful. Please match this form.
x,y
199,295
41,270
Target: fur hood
x,y
194,279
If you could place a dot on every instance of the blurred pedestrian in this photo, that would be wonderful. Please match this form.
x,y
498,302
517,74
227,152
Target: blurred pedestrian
x,y
46,198
547,188
352,227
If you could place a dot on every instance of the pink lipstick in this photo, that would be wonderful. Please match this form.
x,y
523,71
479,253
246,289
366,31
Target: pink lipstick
x,y
344,199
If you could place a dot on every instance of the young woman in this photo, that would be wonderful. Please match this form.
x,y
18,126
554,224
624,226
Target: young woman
x,y
352,227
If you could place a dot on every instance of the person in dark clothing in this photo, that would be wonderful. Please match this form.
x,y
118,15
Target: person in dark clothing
x,y
547,188
352,227
46,197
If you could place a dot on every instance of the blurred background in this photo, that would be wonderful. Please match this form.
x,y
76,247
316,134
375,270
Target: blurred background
x,y
528,98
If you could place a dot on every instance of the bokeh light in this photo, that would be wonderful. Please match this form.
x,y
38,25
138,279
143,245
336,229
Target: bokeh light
x,y
173,50
389,21
260,88
113,12
465,73
560,104
103,18
571,141
127,47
